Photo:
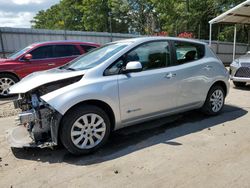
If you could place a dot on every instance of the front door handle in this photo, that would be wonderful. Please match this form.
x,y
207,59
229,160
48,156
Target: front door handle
x,y
51,64
208,67
169,75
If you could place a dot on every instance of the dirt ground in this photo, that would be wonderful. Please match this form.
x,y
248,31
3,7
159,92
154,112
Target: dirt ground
x,y
192,151
7,108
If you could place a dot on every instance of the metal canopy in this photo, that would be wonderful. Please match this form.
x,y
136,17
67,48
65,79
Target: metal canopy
x,y
237,15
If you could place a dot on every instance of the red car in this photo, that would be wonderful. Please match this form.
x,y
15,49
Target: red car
x,y
37,57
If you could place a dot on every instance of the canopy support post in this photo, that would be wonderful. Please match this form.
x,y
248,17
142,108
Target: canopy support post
x,y
234,47
210,34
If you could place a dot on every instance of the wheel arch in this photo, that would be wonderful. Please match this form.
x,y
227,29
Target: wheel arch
x,y
217,83
101,104
11,73
222,84
206,107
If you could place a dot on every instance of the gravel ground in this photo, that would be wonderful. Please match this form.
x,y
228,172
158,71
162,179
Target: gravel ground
x,y
193,151
7,108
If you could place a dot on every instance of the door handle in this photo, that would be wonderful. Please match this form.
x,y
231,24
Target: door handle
x,y
51,64
169,75
208,67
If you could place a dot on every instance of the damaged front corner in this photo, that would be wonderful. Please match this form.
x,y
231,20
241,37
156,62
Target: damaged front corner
x,y
54,127
38,124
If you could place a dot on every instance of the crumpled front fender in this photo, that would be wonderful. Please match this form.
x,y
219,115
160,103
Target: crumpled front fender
x,y
65,98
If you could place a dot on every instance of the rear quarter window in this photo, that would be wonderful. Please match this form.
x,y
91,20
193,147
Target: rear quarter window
x,y
188,51
87,48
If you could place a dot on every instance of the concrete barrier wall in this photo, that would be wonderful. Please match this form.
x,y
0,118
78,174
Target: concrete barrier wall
x,y
224,50
13,39
17,38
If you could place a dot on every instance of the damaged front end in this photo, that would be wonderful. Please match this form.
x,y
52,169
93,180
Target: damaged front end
x,y
38,123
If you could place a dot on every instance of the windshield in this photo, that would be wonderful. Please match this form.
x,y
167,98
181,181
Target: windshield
x,y
95,57
20,52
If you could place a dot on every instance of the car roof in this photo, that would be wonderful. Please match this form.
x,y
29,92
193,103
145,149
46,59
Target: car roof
x,y
147,39
65,42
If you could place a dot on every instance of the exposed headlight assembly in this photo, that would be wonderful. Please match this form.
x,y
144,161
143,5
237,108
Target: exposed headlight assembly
x,y
52,86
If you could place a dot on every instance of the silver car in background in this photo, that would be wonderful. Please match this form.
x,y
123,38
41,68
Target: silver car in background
x,y
117,85
240,70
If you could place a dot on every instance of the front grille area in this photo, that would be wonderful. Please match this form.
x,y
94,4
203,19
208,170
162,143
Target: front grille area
x,y
245,64
243,72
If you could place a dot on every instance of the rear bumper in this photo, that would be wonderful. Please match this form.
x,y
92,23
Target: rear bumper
x,y
239,79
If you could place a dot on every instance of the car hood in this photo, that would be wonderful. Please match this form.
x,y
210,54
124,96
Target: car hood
x,y
37,79
5,60
244,59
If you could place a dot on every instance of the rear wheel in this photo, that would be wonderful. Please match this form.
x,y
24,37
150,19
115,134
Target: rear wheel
x,y
215,101
239,84
84,129
6,81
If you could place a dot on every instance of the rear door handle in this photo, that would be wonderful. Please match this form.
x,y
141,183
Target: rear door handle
x,y
169,75
207,67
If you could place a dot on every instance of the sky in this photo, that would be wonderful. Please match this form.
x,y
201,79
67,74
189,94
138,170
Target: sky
x,y
19,13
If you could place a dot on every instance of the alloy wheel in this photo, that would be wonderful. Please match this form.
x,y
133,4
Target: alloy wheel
x,y
217,99
5,84
88,131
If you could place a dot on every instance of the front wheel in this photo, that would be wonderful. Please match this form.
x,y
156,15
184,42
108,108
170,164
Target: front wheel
x,y
214,101
84,129
6,81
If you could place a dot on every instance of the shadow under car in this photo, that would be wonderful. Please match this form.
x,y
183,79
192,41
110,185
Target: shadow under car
x,y
137,137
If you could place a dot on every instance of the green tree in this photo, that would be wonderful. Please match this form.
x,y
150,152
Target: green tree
x,y
95,14
49,19
140,16
64,15
119,12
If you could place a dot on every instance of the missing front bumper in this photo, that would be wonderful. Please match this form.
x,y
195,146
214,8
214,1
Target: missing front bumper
x,y
35,128
19,137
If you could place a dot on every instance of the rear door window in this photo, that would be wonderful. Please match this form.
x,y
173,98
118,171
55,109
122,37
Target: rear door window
x,y
187,52
87,48
65,50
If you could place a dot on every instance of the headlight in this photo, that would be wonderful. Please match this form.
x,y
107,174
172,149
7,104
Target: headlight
x,y
52,86
236,63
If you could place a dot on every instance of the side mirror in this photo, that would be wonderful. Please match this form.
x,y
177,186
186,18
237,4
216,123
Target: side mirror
x,y
133,66
27,57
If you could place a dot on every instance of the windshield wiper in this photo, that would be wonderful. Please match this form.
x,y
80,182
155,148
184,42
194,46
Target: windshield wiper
x,y
67,68
70,69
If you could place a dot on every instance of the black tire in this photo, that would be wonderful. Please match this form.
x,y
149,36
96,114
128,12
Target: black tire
x,y
10,77
71,117
239,84
208,106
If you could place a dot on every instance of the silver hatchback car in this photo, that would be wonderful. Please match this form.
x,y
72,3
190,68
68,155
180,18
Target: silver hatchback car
x,y
117,85
240,70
